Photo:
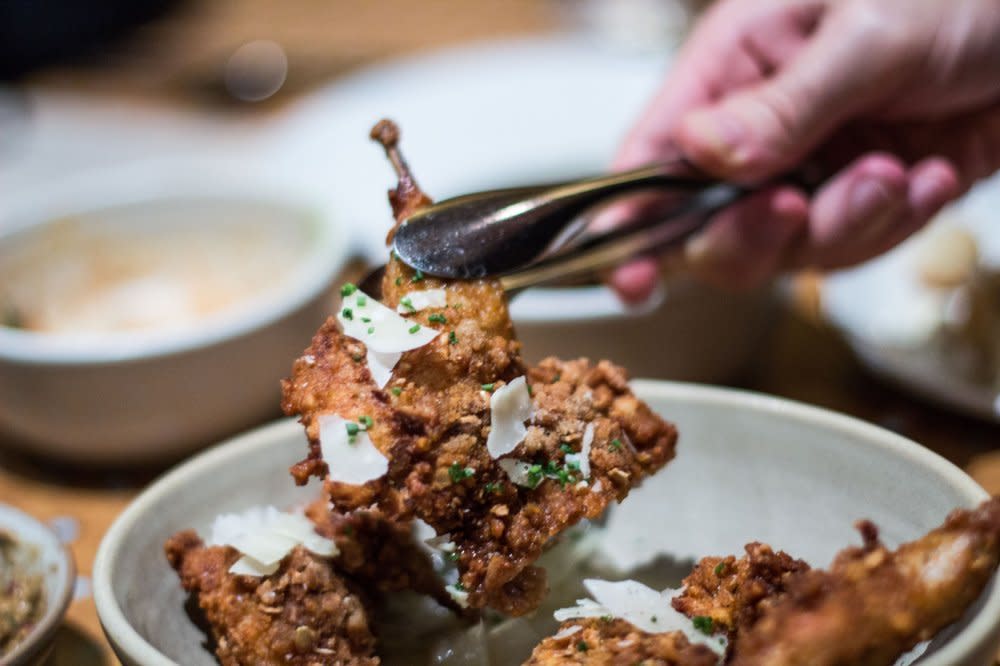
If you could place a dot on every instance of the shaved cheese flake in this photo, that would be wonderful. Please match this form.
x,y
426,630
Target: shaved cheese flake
x,y
381,329
567,632
247,566
415,301
380,365
264,536
460,596
598,487
588,441
510,407
584,608
641,606
351,459
517,471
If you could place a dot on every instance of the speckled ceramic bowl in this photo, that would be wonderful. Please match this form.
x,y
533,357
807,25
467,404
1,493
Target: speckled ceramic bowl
x,y
749,467
55,563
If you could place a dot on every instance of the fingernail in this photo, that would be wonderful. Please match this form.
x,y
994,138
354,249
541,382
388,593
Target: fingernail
x,y
719,133
867,198
929,193
701,251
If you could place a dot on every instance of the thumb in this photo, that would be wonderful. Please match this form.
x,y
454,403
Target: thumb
x,y
756,132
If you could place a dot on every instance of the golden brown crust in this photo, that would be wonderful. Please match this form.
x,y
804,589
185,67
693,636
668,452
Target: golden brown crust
x,y
304,614
379,554
874,604
432,422
602,642
731,590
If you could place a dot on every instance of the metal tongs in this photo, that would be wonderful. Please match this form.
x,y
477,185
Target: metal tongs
x,y
528,236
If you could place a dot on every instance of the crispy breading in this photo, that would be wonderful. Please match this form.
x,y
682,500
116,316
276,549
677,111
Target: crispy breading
x,y
874,604
603,642
731,590
304,614
379,554
433,419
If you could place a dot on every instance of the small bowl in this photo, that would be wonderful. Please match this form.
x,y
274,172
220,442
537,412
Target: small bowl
x,y
153,394
749,467
55,563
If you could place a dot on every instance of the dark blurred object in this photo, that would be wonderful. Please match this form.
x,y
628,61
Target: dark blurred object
x,y
39,33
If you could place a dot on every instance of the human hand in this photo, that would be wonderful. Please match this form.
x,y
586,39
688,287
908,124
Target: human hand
x,y
898,99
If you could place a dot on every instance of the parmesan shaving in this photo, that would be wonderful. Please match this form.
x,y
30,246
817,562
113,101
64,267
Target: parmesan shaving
x,y
264,536
381,329
247,566
517,471
351,459
461,597
415,301
510,407
380,365
582,459
567,632
641,606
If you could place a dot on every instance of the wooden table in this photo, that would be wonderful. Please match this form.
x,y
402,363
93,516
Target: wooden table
x,y
801,359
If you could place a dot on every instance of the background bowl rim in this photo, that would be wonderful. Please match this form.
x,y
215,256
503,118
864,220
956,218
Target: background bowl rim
x,y
163,181
124,637
51,620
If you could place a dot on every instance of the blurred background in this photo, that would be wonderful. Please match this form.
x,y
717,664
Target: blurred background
x,y
183,183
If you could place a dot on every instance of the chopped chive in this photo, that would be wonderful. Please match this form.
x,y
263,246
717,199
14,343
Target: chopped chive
x,y
720,568
418,275
531,391
458,586
566,448
361,300
535,476
407,303
348,313
702,623
582,646
459,473
352,432
616,444
366,320
357,358
414,328
487,387
399,281
371,329
453,556
438,319
366,421
396,390
493,487
452,338
347,289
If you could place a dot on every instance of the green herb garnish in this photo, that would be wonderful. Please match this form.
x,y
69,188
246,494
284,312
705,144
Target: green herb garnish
x,y
396,391
702,623
347,314
720,568
352,431
487,387
407,303
459,473
414,328
437,319
615,445
582,646
452,338
566,448
361,300
366,421
418,276
347,289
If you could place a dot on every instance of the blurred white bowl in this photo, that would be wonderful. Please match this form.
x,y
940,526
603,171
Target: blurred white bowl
x,y
749,467
55,564
138,396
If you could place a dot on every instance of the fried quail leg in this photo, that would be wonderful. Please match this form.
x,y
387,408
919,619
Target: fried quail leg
x,y
874,604
432,421
731,590
304,614
601,642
